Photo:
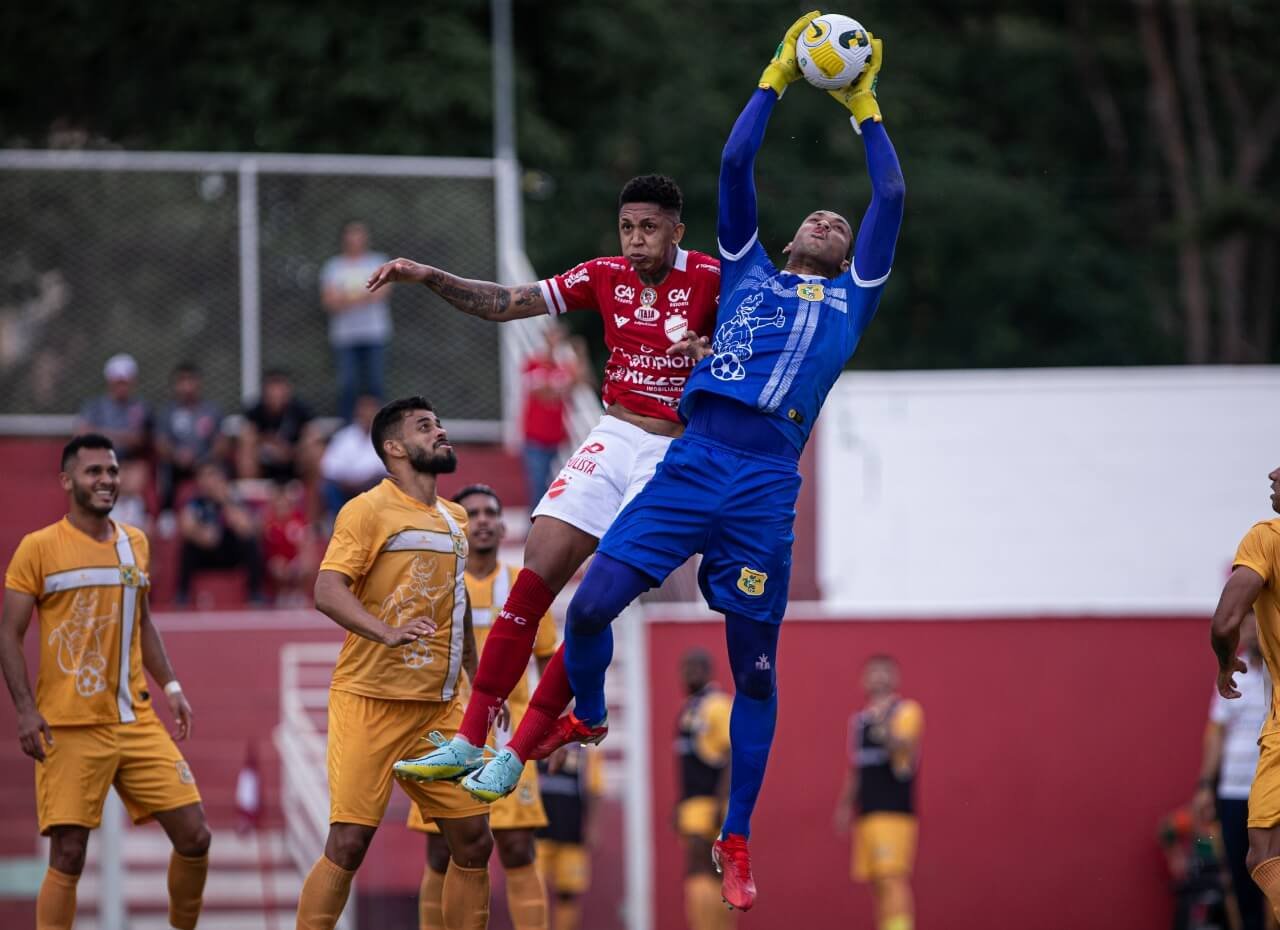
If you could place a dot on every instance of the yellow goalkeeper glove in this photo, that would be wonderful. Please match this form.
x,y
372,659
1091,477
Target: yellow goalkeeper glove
x,y
782,68
859,98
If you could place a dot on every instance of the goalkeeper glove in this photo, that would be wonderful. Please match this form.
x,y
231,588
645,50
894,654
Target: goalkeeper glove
x,y
782,68
859,98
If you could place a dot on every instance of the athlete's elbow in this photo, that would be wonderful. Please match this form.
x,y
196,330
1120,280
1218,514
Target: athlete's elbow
x,y
892,187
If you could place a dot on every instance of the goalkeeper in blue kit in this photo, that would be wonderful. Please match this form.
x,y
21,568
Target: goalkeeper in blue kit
x,y
727,488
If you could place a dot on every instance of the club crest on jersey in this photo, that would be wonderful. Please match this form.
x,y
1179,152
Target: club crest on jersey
x,y
810,292
648,297
130,577
676,326
460,546
751,582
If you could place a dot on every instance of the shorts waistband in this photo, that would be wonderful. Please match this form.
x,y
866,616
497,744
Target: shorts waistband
x,y
734,424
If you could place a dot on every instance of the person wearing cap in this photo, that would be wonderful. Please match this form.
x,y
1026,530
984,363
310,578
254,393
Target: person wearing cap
x,y
119,415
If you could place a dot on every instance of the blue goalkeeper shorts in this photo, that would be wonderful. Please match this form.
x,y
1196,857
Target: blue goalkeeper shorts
x,y
736,507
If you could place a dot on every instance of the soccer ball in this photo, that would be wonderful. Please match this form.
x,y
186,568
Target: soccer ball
x,y
832,51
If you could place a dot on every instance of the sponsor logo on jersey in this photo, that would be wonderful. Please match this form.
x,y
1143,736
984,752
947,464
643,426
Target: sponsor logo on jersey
x,y
646,349
647,315
616,266
675,326
582,463
704,266
810,292
557,488
678,295
630,376
621,320
762,663
657,362
648,297
514,618
592,448
624,292
751,582
579,275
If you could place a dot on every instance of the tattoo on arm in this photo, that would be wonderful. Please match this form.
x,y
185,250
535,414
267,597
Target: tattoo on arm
x,y
484,299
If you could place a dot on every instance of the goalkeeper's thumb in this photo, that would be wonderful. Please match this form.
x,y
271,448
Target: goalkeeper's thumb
x,y
859,98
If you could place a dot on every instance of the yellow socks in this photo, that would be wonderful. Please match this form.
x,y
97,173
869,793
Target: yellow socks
x,y
702,905
465,899
1266,875
430,896
897,922
527,898
186,888
324,895
56,904
568,914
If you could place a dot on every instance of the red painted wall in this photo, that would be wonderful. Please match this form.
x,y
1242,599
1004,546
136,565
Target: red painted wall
x,y
1052,748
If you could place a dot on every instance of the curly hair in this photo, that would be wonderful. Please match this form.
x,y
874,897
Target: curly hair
x,y
653,188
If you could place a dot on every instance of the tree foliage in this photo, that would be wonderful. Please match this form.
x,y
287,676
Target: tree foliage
x,y
1088,182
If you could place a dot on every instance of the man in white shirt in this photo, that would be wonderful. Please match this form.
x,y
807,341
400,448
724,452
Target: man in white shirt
x,y
359,320
350,465
1226,771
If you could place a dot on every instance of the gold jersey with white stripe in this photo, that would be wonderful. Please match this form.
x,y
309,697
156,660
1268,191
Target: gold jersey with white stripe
x,y
405,560
488,595
89,598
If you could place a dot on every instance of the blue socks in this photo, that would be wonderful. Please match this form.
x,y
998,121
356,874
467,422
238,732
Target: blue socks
x,y
753,657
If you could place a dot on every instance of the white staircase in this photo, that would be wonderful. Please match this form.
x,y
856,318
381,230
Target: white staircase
x,y
252,884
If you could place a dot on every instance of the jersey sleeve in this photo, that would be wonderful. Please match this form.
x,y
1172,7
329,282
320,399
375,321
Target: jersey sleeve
x,y
908,721
712,741
349,547
24,573
544,643
1258,551
576,289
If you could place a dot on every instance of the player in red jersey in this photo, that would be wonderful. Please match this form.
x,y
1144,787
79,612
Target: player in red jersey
x,y
652,298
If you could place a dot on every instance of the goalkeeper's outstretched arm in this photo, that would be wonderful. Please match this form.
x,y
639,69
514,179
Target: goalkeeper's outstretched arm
x,y
878,233
737,223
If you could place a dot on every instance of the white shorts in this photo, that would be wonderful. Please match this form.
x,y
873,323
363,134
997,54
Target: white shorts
x,y
610,467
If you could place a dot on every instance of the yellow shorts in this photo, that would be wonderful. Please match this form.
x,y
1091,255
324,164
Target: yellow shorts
x,y
1264,796
366,737
139,758
566,867
520,810
700,817
884,846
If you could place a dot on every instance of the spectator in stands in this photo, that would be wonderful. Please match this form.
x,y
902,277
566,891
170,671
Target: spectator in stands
x,y
118,414
272,435
359,321
289,545
189,431
131,502
350,464
1227,767
218,532
549,377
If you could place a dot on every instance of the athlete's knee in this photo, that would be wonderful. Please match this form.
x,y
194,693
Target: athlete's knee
x,y
347,844
193,842
757,683
470,842
67,849
597,602
753,655
516,848
437,853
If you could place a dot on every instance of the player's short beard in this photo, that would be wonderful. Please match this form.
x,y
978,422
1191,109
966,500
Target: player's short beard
x,y
433,463
87,499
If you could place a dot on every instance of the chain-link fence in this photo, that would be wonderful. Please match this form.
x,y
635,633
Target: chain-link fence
x,y
216,259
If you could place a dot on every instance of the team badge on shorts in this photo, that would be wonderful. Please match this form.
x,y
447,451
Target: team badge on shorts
x,y
184,772
810,292
751,582
130,577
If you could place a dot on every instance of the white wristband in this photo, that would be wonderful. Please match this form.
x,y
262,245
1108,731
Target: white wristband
x,y
173,688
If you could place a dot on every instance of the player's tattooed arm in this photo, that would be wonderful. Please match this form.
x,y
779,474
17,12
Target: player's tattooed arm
x,y
1242,589
483,299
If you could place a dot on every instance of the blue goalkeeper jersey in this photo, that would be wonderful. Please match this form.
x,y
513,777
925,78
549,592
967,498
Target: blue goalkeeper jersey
x,y
781,339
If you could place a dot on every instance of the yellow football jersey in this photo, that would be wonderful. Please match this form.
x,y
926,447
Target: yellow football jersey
x,y
1260,551
488,595
89,598
405,560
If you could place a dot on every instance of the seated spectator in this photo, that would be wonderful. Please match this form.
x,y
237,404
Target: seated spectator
x,y
131,502
189,431
218,532
288,545
350,463
272,435
117,414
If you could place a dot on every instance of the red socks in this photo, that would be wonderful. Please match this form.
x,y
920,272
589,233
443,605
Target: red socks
x,y
549,701
506,654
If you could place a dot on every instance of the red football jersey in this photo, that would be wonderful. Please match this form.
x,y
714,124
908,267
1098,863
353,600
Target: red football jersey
x,y
641,322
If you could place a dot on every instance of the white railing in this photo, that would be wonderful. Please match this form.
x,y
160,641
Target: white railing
x,y
300,741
